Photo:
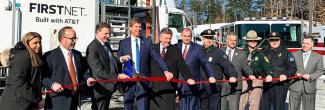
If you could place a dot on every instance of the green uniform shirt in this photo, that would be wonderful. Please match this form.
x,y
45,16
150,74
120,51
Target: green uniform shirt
x,y
259,63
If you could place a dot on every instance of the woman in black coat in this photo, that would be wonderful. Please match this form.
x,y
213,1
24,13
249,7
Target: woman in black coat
x,y
23,89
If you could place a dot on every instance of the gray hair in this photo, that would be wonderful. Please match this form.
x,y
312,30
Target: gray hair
x,y
231,34
166,30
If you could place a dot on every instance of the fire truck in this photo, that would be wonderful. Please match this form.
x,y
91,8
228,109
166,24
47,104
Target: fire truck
x,y
292,32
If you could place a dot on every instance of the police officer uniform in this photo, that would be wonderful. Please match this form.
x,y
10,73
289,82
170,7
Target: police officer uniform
x,y
283,63
218,60
261,66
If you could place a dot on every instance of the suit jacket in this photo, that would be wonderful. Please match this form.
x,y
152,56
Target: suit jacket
x,y
101,67
196,58
175,64
147,52
55,69
314,68
219,62
239,60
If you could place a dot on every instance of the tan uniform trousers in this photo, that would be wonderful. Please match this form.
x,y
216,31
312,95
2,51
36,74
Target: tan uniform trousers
x,y
251,93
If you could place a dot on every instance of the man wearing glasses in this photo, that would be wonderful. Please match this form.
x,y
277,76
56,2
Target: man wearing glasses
x,y
283,66
63,66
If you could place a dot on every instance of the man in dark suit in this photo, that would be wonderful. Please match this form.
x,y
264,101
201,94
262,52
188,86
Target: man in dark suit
x,y
63,66
163,93
103,66
310,66
141,51
195,57
211,97
230,94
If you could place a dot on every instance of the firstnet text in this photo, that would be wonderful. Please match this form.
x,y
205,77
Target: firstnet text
x,y
56,9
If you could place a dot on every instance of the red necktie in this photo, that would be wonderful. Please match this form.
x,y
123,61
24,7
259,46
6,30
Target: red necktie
x,y
185,52
72,73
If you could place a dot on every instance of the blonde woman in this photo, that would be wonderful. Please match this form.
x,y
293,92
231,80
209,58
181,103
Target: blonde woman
x,y
23,83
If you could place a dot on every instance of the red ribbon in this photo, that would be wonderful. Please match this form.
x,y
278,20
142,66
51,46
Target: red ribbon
x,y
162,79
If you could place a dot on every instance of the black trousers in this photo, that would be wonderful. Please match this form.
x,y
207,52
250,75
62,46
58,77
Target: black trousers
x,y
211,97
211,101
274,94
100,98
162,99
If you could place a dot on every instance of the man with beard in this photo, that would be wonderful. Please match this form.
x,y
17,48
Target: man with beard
x,y
63,66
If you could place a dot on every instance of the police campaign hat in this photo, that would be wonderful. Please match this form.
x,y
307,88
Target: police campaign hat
x,y
252,35
274,36
208,34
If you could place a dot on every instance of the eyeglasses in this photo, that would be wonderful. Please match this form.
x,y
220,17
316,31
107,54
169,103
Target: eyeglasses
x,y
73,38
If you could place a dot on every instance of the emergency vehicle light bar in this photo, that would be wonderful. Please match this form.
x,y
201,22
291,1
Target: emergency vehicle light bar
x,y
266,19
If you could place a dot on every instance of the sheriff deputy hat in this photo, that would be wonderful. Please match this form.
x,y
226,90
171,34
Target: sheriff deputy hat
x,y
209,34
251,35
274,35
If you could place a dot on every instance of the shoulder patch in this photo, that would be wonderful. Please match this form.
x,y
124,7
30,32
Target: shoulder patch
x,y
291,59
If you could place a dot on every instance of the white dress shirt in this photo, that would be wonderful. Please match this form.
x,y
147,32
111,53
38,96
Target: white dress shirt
x,y
161,48
65,53
133,47
232,53
305,56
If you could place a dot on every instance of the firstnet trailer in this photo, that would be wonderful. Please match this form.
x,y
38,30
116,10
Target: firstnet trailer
x,y
47,16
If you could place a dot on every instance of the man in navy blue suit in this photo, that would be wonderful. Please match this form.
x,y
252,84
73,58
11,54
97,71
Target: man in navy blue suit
x,y
63,66
195,57
141,51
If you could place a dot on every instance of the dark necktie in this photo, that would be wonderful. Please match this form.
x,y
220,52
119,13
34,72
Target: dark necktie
x,y
229,55
111,58
163,53
249,58
185,52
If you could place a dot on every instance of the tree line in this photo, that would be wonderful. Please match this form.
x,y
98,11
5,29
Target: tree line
x,y
216,11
